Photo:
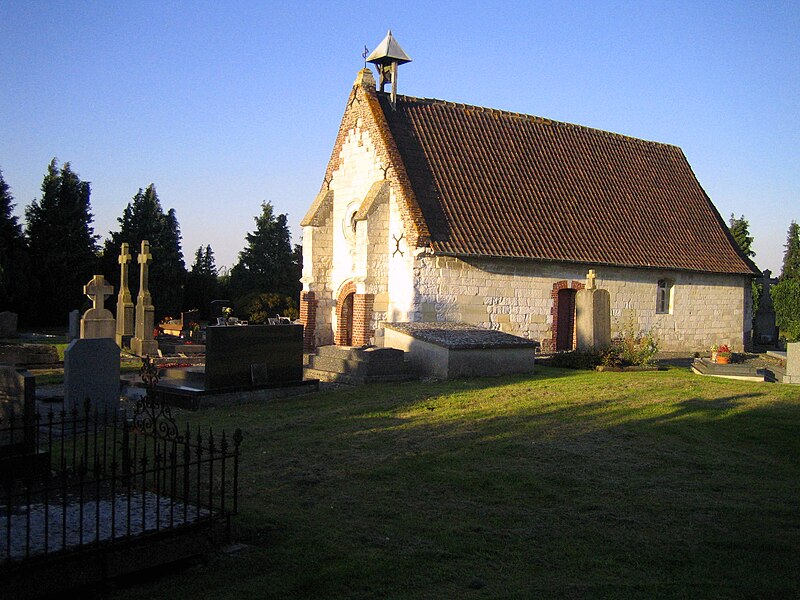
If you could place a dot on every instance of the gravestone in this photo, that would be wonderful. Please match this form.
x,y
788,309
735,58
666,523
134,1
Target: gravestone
x,y
143,343
74,326
125,309
18,454
17,402
792,363
8,324
91,370
592,316
97,322
764,329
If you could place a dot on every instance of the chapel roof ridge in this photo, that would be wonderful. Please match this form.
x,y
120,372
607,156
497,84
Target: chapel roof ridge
x,y
533,118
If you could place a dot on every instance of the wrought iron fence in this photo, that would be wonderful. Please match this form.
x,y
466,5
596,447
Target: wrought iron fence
x,y
82,479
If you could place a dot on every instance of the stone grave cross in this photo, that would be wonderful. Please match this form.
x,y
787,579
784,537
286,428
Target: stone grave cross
x,y
592,316
97,322
125,314
143,343
98,290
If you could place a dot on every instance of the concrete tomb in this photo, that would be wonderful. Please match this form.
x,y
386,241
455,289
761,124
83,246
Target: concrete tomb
x,y
143,343
97,322
91,370
125,309
592,316
449,350
8,324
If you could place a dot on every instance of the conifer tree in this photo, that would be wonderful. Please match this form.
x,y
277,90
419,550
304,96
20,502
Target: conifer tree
x,y
62,245
267,265
786,295
201,283
14,273
740,230
144,219
791,259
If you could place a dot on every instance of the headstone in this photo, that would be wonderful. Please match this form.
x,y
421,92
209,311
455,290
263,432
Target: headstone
x,y
19,456
592,316
765,332
74,326
91,370
143,343
17,403
792,363
8,324
97,322
125,309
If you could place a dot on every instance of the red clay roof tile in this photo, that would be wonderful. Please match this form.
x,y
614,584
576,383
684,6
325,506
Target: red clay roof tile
x,y
495,183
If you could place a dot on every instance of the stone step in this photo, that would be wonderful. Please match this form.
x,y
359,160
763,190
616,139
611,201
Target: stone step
x,y
332,377
353,366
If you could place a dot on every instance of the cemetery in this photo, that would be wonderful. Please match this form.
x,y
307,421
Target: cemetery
x,y
512,371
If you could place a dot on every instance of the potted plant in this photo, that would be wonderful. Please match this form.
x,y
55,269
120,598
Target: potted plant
x,y
714,350
724,354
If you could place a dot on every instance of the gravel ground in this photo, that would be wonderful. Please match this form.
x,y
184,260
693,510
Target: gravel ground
x,y
62,521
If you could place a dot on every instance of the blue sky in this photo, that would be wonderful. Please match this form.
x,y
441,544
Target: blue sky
x,y
225,104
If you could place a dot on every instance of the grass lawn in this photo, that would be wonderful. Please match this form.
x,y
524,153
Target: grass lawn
x,y
566,484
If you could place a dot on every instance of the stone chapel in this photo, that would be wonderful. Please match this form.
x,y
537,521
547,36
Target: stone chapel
x,y
433,211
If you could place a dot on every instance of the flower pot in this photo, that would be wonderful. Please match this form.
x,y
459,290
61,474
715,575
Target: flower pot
x,y
713,356
723,360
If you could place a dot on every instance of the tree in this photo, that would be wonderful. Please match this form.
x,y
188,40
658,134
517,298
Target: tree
x,y
791,259
267,264
62,245
201,283
786,295
144,219
740,230
14,273
786,300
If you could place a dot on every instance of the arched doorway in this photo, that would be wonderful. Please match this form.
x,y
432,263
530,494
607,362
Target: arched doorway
x,y
344,315
565,326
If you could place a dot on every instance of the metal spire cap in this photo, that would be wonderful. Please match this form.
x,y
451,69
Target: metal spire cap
x,y
387,52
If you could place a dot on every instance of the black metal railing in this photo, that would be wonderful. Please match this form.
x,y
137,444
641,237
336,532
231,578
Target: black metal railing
x,y
80,479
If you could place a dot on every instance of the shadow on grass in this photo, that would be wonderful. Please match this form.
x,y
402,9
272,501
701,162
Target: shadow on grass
x,y
564,484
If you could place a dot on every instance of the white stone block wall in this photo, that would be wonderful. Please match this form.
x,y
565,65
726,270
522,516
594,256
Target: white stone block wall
x,y
516,296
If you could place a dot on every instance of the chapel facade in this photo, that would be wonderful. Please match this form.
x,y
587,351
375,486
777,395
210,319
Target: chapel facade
x,y
434,211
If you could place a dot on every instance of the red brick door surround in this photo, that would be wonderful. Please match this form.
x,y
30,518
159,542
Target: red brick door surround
x,y
563,312
353,317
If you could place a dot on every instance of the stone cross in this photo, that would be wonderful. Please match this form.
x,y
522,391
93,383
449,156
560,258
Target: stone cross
x,y
97,322
144,258
123,260
143,343
125,311
98,290
590,277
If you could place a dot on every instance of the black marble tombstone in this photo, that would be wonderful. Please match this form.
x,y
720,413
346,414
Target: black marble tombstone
x,y
234,354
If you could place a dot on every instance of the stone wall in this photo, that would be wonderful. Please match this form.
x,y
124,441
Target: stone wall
x,y
516,296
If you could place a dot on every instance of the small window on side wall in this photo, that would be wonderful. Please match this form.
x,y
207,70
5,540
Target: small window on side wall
x,y
664,297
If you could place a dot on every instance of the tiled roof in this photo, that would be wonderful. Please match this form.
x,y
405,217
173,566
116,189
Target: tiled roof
x,y
495,183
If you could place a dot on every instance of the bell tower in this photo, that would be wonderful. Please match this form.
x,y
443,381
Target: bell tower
x,y
386,57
